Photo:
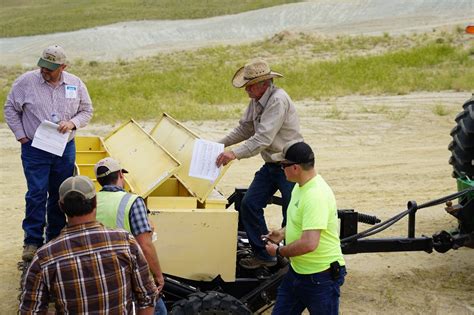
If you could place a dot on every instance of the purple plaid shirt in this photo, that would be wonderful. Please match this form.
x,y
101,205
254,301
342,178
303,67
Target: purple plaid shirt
x,y
32,100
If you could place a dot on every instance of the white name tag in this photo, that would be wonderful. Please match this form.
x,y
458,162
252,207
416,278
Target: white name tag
x,y
71,91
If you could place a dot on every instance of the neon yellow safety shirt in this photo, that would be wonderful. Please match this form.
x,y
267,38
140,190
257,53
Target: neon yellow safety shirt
x,y
313,207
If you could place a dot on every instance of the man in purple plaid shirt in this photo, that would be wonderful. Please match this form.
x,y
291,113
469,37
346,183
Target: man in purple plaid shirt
x,y
52,94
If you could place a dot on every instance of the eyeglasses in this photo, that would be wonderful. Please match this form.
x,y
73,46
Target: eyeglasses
x,y
285,165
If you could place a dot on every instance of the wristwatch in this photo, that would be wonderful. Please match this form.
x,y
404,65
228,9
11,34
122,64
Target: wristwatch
x,y
278,252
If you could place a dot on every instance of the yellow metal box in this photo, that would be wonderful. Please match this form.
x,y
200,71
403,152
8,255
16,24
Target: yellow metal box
x,y
90,157
171,202
149,164
197,236
197,244
89,151
179,141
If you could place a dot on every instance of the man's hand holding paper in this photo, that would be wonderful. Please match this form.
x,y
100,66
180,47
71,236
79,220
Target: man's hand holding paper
x,y
51,137
66,126
203,163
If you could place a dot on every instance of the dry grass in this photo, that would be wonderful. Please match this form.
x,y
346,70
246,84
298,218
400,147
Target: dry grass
x,y
195,84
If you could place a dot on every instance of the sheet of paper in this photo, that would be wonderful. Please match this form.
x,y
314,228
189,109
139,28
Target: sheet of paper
x,y
203,162
49,139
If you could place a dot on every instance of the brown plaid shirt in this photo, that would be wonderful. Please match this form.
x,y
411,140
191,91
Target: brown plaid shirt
x,y
88,269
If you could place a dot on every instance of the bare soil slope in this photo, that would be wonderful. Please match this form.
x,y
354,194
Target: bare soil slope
x,y
129,40
377,153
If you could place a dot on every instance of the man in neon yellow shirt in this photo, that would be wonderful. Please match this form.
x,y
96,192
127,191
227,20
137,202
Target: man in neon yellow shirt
x,y
317,268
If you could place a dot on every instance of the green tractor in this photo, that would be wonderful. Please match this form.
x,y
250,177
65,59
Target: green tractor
x,y
462,160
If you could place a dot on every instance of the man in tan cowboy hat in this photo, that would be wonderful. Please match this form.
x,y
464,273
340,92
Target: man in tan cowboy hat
x,y
268,124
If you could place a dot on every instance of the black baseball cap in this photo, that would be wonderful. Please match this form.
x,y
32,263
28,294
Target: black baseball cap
x,y
295,153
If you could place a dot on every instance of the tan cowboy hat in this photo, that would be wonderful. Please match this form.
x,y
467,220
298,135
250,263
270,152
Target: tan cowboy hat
x,y
253,72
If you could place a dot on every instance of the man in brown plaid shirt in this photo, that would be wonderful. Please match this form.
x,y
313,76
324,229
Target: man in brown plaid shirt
x,y
88,268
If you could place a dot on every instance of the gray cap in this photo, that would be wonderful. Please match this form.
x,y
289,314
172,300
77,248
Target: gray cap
x,y
80,184
52,57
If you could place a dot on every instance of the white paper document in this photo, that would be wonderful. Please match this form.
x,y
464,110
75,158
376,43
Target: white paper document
x,y
49,139
203,162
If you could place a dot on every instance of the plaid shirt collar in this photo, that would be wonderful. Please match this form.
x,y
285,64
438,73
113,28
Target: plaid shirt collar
x,y
84,226
111,188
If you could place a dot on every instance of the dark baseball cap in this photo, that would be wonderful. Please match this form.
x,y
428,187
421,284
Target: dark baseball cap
x,y
295,153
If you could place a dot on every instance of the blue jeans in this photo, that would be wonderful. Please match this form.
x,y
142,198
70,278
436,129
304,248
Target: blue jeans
x,y
44,173
266,182
160,308
317,292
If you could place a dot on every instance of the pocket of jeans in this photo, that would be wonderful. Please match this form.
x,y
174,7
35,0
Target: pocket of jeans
x,y
25,149
316,281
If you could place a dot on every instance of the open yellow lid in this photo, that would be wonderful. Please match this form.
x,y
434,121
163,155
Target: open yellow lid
x,y
179,141
149,164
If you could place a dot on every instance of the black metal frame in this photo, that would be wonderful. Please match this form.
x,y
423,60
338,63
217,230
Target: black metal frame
x,y
349,226
352,243
259,293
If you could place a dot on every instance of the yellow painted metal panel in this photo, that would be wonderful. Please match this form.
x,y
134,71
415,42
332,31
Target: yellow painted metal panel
x,y
179,141
197,244
88,143
97,185
90,157
87,170
89,150
148,163
215,200
171,202
92,150
171,187
213,204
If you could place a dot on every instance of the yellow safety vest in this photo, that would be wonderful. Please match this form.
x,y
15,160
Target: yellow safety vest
x,y
113,208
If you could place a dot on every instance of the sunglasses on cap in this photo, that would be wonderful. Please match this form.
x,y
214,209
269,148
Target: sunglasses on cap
x,y
285,165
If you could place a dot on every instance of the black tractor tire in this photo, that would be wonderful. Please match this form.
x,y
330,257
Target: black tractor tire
x,y
462,146
209,303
